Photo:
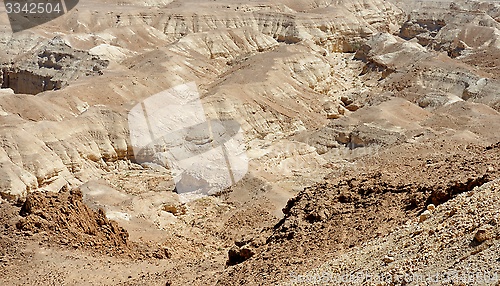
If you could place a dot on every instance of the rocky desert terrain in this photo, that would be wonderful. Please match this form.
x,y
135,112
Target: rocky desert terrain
x,y
371,131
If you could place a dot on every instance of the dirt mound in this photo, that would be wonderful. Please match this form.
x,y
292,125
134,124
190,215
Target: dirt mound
x,y
67,220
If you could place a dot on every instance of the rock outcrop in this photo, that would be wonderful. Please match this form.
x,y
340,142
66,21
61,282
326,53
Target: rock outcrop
x,y
450,245
452,26
50,67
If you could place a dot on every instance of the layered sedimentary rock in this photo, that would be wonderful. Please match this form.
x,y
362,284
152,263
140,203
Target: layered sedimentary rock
x,y
84,135
452,26
49,67
272,67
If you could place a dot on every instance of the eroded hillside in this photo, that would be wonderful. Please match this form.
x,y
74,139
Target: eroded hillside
x,y
355,114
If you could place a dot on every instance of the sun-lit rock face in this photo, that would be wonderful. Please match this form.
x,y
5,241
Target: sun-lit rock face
x,y
286,21
452,26
280,69
268,66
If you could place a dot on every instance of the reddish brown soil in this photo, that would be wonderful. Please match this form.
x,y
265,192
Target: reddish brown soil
x,y
63,219
351,208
